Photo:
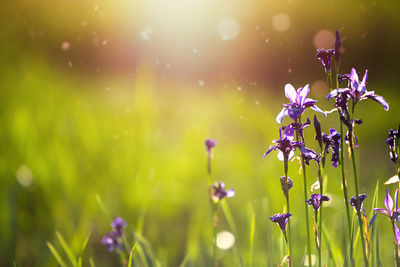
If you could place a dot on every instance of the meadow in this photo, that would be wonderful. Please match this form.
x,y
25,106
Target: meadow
x,y
78,149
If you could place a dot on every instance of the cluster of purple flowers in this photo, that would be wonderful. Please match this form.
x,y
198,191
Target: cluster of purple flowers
x,y
113,239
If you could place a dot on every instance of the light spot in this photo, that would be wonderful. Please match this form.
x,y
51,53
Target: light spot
x,y
225,240
201,82
65,46
324,39
319,88
281,22
24,176
228,28
146,33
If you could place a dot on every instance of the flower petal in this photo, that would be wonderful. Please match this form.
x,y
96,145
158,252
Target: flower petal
x,y
289,132
382,211
269,150
395,198
353,75
388,201
315,108
371,222
336,92
396,230
378,99
290,93
302,95
281,114
281,157
363,84
392,180
230,193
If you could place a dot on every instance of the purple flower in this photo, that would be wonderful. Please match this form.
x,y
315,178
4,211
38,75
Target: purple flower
x,y
299,127
332,141
118,224
298,103
338,47
318,134
210,144
357,203
220,192
309,154
285,144
112,240
391,212
316,200
281,220
358,91
325,57
393,142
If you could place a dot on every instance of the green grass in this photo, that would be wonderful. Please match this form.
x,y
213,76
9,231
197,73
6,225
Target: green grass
x,y
137,151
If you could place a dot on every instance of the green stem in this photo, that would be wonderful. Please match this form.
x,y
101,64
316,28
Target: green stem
x,y
288,240
353,160
303,165
396,247
306,209
344,183
215,224
320,171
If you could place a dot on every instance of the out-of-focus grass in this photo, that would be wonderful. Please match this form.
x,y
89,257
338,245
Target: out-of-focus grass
x,y
138,145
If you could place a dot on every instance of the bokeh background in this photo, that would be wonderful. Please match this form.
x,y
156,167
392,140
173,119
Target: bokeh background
x,y
105,106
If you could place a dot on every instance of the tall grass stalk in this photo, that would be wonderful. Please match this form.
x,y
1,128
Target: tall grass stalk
x,y
344,182
353,160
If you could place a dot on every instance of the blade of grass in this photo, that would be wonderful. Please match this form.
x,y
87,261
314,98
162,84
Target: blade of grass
x,y
70,254
252,230
102,207
83,246
131,255
378,257
232,226
185,260
91,262
56,255
329,245
373,228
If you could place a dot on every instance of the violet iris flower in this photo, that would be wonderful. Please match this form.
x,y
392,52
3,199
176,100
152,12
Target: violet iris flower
x,y
281,220
332,141
391,212
210,144
298,103
118,224
285,144
325,57
358,91
316,200
220,193
113,239
358,204
299,127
